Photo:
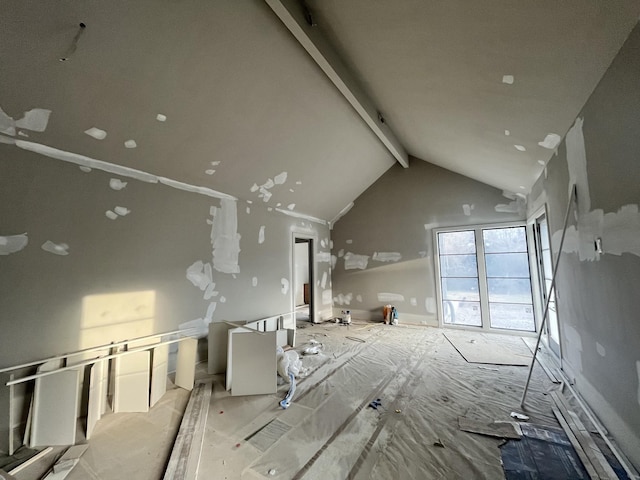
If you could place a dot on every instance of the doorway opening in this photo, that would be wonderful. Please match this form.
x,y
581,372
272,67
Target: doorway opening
x,y
302,290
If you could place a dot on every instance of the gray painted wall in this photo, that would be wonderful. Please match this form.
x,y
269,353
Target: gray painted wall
x,y
598,298
43,295
398,214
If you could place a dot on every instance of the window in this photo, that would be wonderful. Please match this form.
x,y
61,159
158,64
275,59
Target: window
x,y
484,278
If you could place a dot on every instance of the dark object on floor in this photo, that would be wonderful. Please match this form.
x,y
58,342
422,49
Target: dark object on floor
x,y
541,454
376,403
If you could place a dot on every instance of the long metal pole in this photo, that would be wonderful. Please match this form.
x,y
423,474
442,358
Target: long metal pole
x,y
553,285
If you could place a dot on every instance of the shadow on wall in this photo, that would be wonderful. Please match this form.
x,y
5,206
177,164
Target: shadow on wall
x,y
114,317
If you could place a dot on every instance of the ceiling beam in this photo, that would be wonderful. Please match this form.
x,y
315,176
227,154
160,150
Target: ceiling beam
x,y
292,14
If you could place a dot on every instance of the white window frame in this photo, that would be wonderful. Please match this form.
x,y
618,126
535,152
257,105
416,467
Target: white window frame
x,y
482,278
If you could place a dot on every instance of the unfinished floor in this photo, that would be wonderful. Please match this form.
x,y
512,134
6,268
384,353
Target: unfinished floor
x,y
330,431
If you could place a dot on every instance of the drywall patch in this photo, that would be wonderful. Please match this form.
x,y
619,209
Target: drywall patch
x,y
577,165
223,299
248,210
284,286
116,184
341,299
349,242
323,243
466,209
413,301
211,171
520,148
619,233
323,257
280,178
551,141
517,205
341,214
96,133
122,211
341,253
387,297
55,248
35,120
254,282
300,215
323,282
430,226
111,215
13,243
430,305
261,235
225,238
601,350
85,169
386,256
353,261
161,118
130,144
334,260
326,297
507,133
359,298
291,206
574,347
508,79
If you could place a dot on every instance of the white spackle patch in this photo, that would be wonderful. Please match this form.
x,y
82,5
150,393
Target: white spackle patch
x,y
122,211
517,205
574,347
291,206
248,210
323,257
430,305
85,169
299,182
341,253
353,261
508,79
345,299
161,118
323,243
334,260
541,162
280,178
35,120
130,144
111,215
117,184
96,133
291,190
387,256
386,297
7,124
429,226
254,188
56,248
215,163
467,209
269,209
223,299
250,202
326,297
551,141
520,148
413,301
284,286
507,133
619,233
323,282
211,171
254,282
577,165
601,350
331,244
225,238
261,235
422,253
349,242
13,243
359,298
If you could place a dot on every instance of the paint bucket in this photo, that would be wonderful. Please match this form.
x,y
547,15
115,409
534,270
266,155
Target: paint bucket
x,y
346,317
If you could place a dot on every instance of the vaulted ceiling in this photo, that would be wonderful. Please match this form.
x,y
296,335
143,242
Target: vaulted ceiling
x,y
237,88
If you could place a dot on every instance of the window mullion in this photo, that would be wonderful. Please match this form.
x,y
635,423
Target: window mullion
x,y
482,279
